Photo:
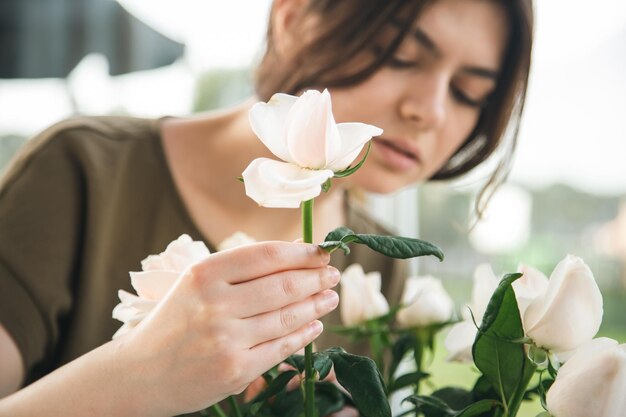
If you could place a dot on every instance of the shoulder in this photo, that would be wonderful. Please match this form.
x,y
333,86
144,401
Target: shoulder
x,y
77,141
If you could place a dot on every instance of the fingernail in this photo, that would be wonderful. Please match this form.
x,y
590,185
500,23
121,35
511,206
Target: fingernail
x,y
316,327
331,299
333,274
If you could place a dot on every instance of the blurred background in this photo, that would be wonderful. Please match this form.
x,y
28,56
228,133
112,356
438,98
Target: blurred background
x,y
566,193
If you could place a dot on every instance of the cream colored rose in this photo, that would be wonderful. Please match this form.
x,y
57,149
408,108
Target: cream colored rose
x,y
302,132
591,383
565,313
360,296
426,302
235,240
460,339
158,275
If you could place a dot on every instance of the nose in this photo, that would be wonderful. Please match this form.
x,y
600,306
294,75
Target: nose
x,y
424,103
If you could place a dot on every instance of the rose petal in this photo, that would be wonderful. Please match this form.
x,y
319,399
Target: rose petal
x,y
571,311
426,301
459,341
531,285
360,296
591,383
153,285
312,134
485,283
279,184
268,123
353,136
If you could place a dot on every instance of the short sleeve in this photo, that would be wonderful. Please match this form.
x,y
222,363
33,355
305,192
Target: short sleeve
x,y
41,206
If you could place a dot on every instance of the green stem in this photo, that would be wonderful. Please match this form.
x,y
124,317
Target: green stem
x,y
234,406
376,345
218,410
309,372
418,355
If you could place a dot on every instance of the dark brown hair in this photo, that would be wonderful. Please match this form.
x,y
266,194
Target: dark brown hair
x,y
351,27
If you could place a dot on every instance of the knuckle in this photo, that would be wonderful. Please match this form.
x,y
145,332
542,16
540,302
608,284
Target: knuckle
x,y
273,252
289,285
287,318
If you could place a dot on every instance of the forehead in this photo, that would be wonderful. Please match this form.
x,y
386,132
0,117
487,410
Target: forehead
x,y
472,31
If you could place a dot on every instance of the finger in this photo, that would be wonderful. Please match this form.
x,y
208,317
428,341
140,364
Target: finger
x,y
279,323
259,259
279,290
254,389
265,355
347,411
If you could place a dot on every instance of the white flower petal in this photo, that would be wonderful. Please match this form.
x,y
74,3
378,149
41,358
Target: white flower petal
x,y
459,341
312,134
531,285
353,136
268,123
591,383
485,283
571,311
235,240
279,184
426,301
153,285
178,255
360,296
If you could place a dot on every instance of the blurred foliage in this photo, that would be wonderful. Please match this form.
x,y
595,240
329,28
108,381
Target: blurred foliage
x,y
563,221
221,88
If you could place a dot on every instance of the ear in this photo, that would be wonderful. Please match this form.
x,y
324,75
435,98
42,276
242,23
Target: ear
x,y
286,14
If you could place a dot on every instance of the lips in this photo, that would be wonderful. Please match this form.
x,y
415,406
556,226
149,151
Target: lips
x,y
399,146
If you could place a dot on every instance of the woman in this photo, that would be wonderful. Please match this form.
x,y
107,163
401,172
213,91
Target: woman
x,y
89,198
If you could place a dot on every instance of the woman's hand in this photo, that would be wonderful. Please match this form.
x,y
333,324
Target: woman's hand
x,y
231,318
227,320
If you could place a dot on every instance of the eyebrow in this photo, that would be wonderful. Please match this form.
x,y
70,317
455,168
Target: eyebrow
x,y
423,39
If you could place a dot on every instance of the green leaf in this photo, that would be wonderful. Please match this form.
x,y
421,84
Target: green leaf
x,y
297,361
360,377
478,408
322,364
434,407
275,386
408,379
496,353
333,245
328,398
400,348
392,246
456,398
349,170
430,406
326,185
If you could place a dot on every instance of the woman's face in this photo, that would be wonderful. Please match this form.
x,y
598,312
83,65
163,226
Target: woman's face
x,y
428,98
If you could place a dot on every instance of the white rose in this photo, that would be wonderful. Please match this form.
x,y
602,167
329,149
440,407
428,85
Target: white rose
x,y
360,296
460,339
235,240
426,302
158,275
568,312
591,383
531,285
302,132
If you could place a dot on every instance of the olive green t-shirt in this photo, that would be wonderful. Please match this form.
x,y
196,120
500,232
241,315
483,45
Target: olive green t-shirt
x,y
81,205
